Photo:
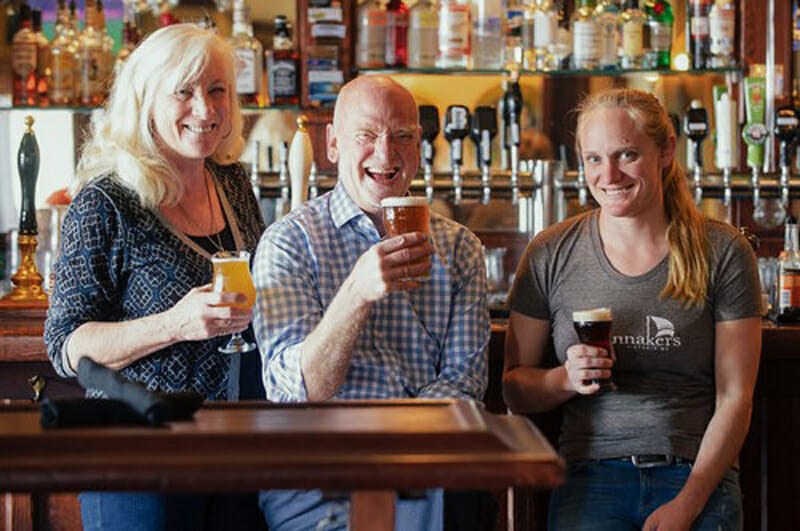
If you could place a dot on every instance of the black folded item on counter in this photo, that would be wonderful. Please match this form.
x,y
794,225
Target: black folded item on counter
x,y
130,402
82,412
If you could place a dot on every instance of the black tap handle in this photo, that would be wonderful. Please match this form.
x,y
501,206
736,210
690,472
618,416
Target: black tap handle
x,y
513,112
429,121
28,166
787,129
484,129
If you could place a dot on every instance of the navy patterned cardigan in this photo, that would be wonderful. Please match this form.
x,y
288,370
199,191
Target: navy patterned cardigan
x,y
118,262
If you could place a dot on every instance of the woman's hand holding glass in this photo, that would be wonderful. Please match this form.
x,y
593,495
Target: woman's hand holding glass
x,y
232,275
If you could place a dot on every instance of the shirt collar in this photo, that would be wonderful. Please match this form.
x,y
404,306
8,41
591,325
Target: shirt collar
x,y
343,208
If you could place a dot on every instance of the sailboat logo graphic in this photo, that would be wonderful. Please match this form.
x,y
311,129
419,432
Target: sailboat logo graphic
x,y
659,327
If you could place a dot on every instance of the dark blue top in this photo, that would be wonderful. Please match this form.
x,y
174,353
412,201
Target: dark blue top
x,y
118,262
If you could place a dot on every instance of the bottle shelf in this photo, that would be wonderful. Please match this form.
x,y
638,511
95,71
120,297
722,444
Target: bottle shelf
x,y
82,109
550,73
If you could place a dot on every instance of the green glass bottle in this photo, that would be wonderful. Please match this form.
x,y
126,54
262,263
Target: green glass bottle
x,y
659,22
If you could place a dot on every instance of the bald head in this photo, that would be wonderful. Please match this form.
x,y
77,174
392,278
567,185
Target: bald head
x,y
355,91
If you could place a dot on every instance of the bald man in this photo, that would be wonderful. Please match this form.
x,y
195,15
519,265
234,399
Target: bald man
x,y
334,318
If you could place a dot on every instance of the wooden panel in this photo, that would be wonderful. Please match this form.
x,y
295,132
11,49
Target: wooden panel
x,y
16,512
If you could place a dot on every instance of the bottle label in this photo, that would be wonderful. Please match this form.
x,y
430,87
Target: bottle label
x,y
63,77
545,29
372,39
660,36
246,82
722,29
283,79
586,41
424,19
632,38
23,58
789,294
699,26
454,30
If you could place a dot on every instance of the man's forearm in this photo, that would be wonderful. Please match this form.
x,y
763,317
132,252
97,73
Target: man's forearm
x,y
327,350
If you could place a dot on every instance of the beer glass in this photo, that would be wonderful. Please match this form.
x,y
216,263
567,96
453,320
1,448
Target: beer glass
x,y
232,274
594,328
406,214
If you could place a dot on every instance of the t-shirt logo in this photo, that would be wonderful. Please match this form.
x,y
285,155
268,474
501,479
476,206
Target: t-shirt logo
x,y
659,334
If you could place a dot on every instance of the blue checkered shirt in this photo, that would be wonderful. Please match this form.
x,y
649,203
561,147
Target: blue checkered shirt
x,y
426,343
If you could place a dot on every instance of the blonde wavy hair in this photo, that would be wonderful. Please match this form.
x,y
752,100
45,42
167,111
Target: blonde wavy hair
x,y
688,276
122,141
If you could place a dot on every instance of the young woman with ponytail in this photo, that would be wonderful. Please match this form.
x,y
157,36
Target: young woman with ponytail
x,y
659,450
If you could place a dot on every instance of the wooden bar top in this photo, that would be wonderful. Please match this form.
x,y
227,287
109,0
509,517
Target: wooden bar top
x,y
248,446
21,332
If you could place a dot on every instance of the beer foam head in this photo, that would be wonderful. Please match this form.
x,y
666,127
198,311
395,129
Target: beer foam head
x,y
404,201
595,314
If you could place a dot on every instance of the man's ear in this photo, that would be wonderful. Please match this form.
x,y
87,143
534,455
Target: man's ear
x,y
331,145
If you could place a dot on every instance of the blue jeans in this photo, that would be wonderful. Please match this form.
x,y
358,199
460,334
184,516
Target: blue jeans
x,y
150,511
302,510
615,496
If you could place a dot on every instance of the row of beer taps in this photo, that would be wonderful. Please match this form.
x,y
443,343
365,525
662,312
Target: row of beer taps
x,y
503,121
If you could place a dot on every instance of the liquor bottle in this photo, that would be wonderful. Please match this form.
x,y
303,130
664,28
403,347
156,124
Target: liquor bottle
x,y
43,61
788,288
634,25
423,34
249,57
722,30
107,64
283,66
23,60
130,39
91,56
371,44
487,34
540,34
75,35
700,40
64,65
585,37
512,48
454,40
396,34
607,15
659,19
796,55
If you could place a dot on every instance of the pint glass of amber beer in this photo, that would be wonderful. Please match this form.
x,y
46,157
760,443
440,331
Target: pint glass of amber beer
x,y
406,214
594,328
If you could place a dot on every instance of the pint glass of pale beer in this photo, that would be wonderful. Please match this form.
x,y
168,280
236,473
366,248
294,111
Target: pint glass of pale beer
x,y
594,328
232,274
406,214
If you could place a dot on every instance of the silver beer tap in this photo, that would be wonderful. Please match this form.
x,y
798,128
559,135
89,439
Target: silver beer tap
x,y
456,129
254,166
429,122
313,187
484,128
513,113
695,126
787,126
283,172
581,184
502,133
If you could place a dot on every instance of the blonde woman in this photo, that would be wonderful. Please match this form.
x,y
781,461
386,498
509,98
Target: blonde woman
x,y
660,450
159,191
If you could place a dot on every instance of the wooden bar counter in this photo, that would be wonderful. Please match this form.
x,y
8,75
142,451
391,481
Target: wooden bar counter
x,y
770,459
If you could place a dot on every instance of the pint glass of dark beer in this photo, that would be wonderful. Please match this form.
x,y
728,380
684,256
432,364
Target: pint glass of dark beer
x,y
406,214
594,328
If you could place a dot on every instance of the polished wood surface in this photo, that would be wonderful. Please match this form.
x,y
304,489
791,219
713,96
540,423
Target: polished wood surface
x,y
345,445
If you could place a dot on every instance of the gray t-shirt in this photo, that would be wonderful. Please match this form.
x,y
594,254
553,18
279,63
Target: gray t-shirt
x,y
665,351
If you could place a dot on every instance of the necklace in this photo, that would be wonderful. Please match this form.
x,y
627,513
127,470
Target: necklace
x,y
216,238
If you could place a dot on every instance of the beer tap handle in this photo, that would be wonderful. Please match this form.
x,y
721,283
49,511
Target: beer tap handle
x,y
513,109
787,125
456,129
581,183
502,138
429,123
484,128
726,155
695,126
755,132
301,155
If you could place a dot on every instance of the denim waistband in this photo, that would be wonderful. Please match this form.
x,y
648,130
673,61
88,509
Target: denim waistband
x,y
653,460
